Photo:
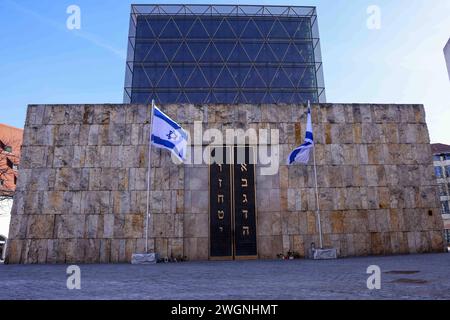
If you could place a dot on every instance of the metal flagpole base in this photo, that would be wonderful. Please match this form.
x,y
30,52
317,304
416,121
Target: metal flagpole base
x,y
144,258
324,254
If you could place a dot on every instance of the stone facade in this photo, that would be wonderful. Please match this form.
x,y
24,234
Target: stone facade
x,y
81,194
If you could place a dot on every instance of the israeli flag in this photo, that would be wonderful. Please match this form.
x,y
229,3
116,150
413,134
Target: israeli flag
x,y
168,134
301,154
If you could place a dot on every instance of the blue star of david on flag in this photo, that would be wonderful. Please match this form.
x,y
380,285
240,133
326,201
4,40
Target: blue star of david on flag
x,y
168,134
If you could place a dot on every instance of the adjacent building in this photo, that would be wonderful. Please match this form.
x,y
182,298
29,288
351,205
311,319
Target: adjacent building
x,y
441,161
224,54
447,56
10,144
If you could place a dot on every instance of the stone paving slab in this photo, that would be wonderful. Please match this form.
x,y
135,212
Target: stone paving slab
x,y
428,278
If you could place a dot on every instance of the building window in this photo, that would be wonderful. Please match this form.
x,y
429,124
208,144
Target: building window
x,y
445,207
2,183
447,171
447,235
5,147
10,164
15,180
442,190
438,172
447,156
437,158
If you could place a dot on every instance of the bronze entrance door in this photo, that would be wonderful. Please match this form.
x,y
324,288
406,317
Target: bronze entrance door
x,y
232,223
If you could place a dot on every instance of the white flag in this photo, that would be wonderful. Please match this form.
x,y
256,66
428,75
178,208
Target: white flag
x,y
168,134
301,154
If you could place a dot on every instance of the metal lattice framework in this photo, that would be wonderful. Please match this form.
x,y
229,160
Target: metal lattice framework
x,y
223,54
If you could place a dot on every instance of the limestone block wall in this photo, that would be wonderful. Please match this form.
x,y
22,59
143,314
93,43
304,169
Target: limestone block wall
x,y
81,194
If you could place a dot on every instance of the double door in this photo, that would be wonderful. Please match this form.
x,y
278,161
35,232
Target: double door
x,y
232,204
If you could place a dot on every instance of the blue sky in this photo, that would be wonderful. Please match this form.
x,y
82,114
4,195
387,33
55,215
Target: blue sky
x,y
403,62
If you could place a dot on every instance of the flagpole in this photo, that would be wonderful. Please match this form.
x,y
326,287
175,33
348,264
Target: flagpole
x,y
319,224
149,177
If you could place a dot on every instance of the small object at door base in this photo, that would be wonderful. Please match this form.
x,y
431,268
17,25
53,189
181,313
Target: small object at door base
x,y
144,258
325,254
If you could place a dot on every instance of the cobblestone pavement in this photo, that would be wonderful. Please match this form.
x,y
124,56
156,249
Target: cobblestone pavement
x,y
403,277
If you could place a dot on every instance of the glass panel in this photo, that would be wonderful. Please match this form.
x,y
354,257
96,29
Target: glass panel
x,y
226,79
168,79
238,25
226,97
295,74
308,78
299,53
170,30
184,24
438,172
254,97
305,96
197,80
147,76
251,31
251,50
197,48
238,54
143,29
303,30
266,54
183,98
167,97
264,25
291,27
183,73
142,97
156,25
254,80
198,31
211,24
147,53
278,31
280,50
280,80
198,97
238,73
170,49
184,54
225,31
140,79
226,49
447,171
211,54
304,51
282,97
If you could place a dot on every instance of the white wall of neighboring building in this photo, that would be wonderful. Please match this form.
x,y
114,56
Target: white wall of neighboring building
x,y
5,216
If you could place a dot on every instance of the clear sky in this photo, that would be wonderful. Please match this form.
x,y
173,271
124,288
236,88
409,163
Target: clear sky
x,y
41,61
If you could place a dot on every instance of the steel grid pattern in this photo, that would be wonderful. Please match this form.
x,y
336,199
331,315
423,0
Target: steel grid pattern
x,y
223,54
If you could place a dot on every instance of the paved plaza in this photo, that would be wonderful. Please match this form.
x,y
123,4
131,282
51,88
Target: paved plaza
x,y
403,277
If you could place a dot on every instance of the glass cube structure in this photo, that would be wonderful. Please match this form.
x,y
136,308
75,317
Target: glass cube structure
x,y
223,54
